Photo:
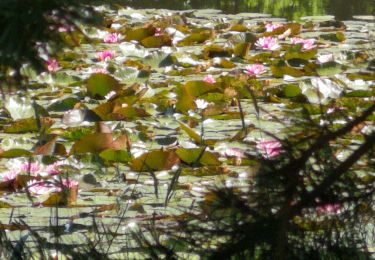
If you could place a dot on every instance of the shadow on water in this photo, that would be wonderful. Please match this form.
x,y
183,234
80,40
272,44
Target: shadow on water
x,y
290,9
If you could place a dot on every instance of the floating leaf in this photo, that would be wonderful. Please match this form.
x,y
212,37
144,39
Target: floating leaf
x,y
199,36
335,37
329,69
155,161
14,153
5,205
224,63
290,90
19,107
99,85
156,41
51,148
191,133
197,155
281,69
63,198
103,208
360,93
185,101
242,50
138,34
64,105
295,52
241,134
98,142
361,75
116,110
13,227
290,29
198,87
238,28
205,171
213,51
117,156
28,125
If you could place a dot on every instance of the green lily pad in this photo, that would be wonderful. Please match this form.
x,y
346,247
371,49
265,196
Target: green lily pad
x,y
116,156
99,85
335,37
14,153
28,125
295,52
156,41
290,90
63,105
196,155
138,34
155,161
329,69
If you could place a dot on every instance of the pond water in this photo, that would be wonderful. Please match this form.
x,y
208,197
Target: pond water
x,y
152,168
290,9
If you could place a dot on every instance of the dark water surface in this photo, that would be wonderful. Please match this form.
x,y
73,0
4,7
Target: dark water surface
x,y
290,9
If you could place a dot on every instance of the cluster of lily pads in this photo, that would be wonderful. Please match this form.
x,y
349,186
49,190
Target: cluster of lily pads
x,y
38,179
175,91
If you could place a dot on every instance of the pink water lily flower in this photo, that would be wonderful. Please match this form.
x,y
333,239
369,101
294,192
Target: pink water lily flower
x,y
209,79
99,70
307,44
36,187
52,65
272,26
269,149
329,209
112,38
41,187
105,55
234,152
158,32
268,43
65,28
69,183
53,169
34,168
10,175
255,69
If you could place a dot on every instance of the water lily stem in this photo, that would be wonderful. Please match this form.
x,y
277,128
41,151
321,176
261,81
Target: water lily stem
x,y
241,114
202,126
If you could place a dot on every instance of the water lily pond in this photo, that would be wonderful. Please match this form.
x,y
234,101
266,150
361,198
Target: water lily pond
x,y
136,120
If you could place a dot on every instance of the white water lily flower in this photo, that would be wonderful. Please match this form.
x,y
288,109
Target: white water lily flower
x,y
191,113
110,95
321,90
201,103
115,26
324,58
175,34
175,168
73,117
137,16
